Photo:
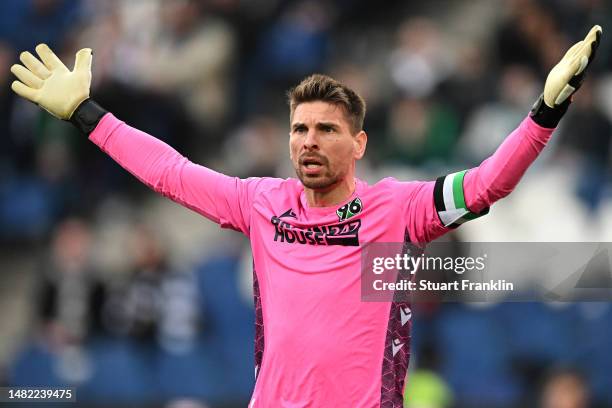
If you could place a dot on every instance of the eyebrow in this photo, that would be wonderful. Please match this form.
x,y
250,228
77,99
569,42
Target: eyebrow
x,y
332,125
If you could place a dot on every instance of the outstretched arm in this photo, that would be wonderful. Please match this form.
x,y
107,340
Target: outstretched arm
x,y
65,94
497,176
218,197
465,195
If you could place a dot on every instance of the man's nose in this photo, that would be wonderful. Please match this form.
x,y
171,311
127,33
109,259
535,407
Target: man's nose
x,y
311,140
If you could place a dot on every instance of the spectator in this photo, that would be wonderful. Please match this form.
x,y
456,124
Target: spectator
x,y
193,58
71,294
565,389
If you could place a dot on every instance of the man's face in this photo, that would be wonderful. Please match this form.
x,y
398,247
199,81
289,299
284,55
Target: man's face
x,y
322,146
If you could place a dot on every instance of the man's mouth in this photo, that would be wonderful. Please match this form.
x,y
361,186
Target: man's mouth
x,y
311,165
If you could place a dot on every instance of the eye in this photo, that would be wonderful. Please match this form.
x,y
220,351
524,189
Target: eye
x,y
328,129
299,129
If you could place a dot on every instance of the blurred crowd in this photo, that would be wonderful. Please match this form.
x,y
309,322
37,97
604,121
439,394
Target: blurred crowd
x,y
109,288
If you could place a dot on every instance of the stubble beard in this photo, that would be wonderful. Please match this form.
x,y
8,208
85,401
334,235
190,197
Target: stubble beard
x,y
323,182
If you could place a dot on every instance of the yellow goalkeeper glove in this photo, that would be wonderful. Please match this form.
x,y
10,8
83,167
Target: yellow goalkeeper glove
x,y
50,84
565,79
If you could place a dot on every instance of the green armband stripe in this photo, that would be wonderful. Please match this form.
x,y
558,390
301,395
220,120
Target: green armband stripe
x,y
450,200
458,190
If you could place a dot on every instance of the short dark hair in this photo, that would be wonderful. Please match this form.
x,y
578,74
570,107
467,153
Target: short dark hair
x,y
320,87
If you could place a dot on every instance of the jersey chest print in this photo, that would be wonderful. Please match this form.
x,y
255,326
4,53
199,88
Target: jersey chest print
x,y
345,233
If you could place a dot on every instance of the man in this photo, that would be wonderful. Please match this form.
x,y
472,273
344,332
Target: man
x,y
317,344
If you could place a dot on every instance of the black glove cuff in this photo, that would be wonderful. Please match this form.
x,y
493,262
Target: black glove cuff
x,y
87,115
546,116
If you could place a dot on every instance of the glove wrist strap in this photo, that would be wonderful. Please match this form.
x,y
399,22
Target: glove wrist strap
x,y
546,116
87,115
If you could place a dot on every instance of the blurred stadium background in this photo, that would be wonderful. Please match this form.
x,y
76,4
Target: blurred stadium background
x,y
138,302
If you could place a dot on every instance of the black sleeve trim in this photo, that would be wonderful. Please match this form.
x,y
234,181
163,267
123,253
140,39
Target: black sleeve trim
x,y
87,115
546,116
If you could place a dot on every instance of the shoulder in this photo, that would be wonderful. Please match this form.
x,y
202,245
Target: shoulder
x,y
273,185
400,194
394,186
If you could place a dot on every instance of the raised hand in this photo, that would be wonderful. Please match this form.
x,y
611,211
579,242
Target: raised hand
x,y
567,76
50,84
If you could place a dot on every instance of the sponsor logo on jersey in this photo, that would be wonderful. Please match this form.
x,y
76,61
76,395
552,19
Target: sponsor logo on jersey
x,y
344,233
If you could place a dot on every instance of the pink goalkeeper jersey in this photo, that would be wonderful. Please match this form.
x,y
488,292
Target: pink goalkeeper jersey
x,y
317,344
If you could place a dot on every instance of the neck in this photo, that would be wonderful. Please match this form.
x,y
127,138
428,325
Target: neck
x,y
330,196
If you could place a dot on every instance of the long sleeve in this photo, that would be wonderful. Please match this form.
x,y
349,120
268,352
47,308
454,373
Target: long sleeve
x,y
434,208
222,199
497,176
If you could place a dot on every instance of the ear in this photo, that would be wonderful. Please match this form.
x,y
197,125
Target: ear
x,y
360,140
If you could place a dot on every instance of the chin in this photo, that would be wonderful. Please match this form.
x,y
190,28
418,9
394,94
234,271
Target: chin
x,y
322,183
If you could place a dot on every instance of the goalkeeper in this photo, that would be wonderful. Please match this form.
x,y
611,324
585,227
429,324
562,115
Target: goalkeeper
x,y
316,344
